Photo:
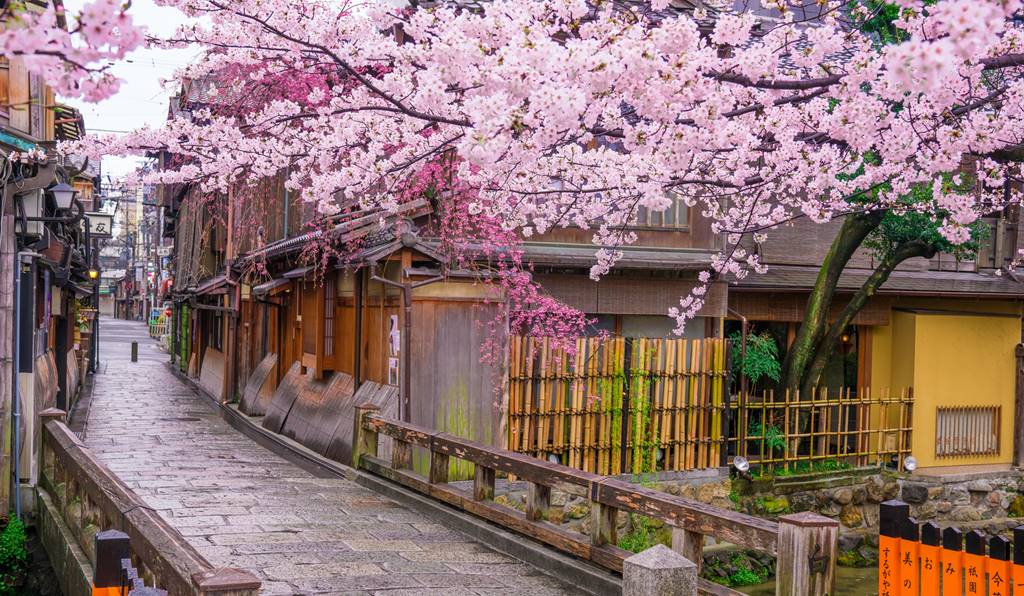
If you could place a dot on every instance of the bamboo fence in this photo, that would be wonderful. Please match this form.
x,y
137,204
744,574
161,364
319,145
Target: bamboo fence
x,y
855,427
616,405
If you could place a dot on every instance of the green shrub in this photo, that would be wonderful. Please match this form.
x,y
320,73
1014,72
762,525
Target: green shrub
x,y
745,577
13,556
762,359
643,534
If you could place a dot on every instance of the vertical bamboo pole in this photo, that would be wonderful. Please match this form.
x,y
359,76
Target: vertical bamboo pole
x,y
531,382
681,380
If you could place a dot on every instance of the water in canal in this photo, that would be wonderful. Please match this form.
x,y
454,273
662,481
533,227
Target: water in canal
x,y
850,581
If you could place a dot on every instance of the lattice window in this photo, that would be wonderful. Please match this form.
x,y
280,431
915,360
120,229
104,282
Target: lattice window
x,y
967,430
329,300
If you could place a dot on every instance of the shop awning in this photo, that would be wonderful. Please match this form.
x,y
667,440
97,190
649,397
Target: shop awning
x,y
214,285
298,273
270,287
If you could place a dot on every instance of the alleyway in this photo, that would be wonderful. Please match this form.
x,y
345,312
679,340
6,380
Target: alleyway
x,y
242,506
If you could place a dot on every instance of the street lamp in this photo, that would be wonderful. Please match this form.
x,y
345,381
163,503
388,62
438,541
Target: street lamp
x,y
93,274
63,193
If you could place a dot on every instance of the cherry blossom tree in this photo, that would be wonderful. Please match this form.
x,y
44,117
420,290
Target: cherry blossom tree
x,y
561,113
74,58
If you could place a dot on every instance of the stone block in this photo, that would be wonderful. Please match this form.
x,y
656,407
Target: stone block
x,y
851,516
980,486
843,496
659,571
914,492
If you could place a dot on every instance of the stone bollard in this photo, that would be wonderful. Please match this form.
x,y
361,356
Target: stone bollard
x,y
135,351
659,571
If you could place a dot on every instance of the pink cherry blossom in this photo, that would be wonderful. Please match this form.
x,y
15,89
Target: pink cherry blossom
x,y
566,113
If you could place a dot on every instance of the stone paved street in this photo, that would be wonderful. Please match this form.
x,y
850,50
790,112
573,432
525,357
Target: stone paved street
x,y
243,506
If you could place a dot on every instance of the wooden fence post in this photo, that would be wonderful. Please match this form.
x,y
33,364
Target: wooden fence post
x,y
603,524
483,483
538,501
689,544
364,442
1018,422
807,547
438,472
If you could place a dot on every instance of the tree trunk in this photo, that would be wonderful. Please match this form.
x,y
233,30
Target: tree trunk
x,y
851,235
830,340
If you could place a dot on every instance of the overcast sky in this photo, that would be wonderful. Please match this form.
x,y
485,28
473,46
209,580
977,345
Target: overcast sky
x,y
142,99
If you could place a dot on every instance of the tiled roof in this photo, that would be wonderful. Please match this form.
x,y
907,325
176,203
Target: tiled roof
x,y
783,277
583,255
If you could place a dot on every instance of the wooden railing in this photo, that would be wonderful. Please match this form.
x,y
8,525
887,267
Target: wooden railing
x,y
805,543
90,499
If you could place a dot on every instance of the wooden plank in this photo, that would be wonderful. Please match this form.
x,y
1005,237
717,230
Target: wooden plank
x,y
410,433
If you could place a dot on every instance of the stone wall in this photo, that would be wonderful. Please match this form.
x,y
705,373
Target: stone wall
x,y
964,497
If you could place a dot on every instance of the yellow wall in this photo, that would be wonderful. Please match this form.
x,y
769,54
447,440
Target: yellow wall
x,y
950,359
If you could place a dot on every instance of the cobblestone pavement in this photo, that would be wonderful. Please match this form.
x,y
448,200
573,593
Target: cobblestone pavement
x,y
243,506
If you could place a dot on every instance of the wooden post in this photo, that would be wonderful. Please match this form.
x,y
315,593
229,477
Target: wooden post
x,y
538,500
401,455
1018,422
603,528
808,547
689,544
483,483
438,466
364,442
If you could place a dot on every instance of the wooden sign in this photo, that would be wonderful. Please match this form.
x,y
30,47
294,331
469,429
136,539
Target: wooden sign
x,y
101,225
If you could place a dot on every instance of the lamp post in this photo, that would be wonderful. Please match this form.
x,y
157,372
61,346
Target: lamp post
x,y
63,194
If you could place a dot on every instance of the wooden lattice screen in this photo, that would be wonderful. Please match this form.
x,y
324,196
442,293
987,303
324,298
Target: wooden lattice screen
x,y
967,430
619,405
856,427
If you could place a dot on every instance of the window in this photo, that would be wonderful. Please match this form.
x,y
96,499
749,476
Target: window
x,y
967,430
215,337
329,290
677,215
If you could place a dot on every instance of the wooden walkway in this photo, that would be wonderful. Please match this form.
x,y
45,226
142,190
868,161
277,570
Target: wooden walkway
x,y
242,506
